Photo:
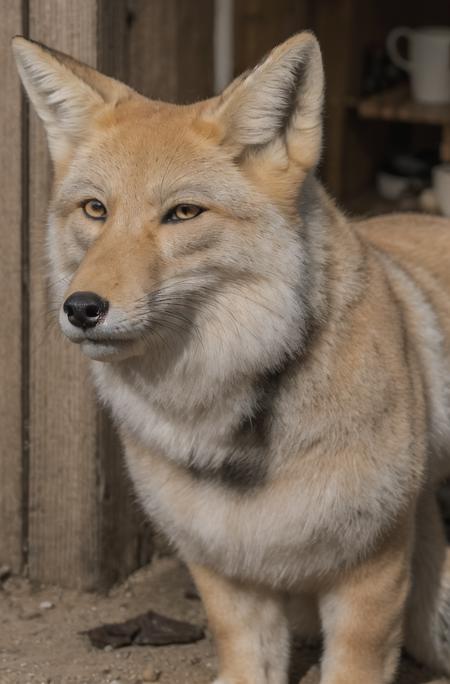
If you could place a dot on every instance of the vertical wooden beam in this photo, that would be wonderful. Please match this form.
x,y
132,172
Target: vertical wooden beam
x,y
333,22
171,49
262,24
12,213
64,535
125,535
194,55
84,529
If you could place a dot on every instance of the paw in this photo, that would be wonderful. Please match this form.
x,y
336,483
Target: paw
x,y
312,676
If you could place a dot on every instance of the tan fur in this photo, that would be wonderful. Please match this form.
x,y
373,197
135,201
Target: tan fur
x,y
280,375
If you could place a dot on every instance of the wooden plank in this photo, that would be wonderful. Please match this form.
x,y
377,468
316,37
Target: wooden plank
x,y
84,528
125,535
152,48
262,24
171,49
396,104
194,54
63,522
13,147
333,23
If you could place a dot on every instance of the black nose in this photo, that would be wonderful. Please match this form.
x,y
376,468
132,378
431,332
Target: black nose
x,y
85,309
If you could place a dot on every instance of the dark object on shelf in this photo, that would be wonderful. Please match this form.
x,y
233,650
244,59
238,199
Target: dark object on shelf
x,y
147,629
379,72
415,165
406,173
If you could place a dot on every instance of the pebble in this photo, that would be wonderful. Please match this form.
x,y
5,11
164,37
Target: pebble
x,y
46,605
5,572
29,614
151,674
108,648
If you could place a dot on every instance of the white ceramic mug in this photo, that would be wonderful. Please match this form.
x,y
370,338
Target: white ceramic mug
x,y
428,63
441,186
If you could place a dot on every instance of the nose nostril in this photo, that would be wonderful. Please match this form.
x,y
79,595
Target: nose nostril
x,y
85,309
92,311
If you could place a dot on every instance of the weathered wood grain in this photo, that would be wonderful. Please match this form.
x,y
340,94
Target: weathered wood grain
x,y
171,49
64,535
261,24
12,215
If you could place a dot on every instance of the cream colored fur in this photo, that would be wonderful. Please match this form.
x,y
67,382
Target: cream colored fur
x,y
280,375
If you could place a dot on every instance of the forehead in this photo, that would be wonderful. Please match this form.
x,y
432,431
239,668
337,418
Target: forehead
x,y
149,143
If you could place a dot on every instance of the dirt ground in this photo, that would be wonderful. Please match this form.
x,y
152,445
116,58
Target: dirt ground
x,y
40,641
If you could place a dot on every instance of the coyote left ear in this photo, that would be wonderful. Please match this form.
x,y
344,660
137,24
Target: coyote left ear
x,y
65,93
281,97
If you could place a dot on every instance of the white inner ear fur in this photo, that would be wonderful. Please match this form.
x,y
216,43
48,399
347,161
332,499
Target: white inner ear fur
x,y
63,100
283,95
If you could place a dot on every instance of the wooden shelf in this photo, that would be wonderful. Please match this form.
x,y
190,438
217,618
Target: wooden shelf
x,y
397,105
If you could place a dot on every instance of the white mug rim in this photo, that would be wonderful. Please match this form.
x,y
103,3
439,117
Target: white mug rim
x,y
442,169
433,31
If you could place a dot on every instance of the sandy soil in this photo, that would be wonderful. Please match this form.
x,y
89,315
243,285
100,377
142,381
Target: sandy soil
x,y
42,645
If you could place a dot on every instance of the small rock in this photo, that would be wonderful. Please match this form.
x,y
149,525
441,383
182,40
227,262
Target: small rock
x,y
108,648
5,573
29,614
106,670
46,605
116,681
195,660
151,674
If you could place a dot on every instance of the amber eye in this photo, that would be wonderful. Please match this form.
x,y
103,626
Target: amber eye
x,y
183,212
94,209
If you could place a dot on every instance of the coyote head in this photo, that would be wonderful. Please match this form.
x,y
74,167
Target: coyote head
x,y
176,229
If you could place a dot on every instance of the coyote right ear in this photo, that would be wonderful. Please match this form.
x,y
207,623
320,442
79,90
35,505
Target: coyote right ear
x,y
280,99
64,92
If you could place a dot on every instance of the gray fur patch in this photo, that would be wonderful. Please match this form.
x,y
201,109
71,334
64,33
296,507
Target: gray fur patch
x,y
246,468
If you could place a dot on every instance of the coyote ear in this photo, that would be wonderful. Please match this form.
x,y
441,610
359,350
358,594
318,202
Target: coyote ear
x,y
64,92
280,98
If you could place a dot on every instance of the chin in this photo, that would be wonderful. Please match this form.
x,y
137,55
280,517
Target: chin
x,y
111,352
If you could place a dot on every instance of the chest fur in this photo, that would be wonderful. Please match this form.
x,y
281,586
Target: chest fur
x,y
285,533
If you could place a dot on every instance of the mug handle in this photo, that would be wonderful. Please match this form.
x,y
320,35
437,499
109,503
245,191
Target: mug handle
x,y
392,47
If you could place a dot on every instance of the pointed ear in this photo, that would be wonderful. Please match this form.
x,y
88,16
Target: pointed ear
x,y
65,93
281,98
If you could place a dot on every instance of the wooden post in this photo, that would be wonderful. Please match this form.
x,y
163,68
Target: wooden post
x,y
77,486
174,40
260,25
12,213
67,511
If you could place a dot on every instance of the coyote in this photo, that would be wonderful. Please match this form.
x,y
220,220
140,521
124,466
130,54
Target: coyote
x,y
280,375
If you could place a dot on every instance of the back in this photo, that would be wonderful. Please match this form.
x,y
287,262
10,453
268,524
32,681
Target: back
x,y
420,245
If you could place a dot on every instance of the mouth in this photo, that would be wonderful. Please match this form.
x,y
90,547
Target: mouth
x,y
104,342
108,350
